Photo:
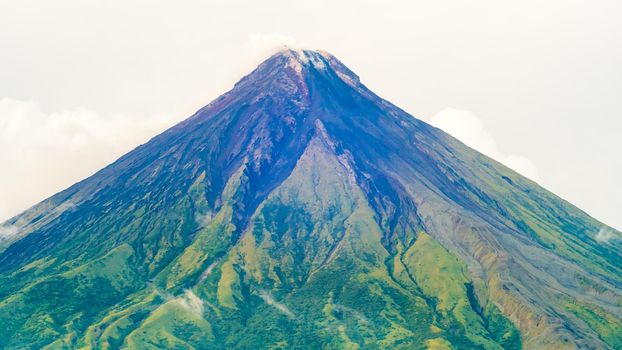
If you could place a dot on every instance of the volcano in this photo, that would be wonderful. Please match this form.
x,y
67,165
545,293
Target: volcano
x,y
301,211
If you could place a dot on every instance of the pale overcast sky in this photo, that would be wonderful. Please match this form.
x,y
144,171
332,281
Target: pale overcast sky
x,y
534,84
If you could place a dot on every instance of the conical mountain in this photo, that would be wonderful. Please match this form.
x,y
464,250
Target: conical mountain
x,y
301,211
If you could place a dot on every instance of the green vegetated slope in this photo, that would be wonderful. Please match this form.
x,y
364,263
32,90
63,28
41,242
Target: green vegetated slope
x,y
301,211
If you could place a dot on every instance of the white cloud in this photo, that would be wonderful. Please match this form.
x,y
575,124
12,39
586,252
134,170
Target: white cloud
x,y
258,47
268,299
606,235
188,300
43,152
65,206
270,42
469,128
203,219
207,271
8,231
192,303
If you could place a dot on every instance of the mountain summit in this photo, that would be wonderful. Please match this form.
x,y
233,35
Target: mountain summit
x,y
301,211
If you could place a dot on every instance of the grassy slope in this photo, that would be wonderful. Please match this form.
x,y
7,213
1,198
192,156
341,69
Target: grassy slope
x,y
277,288
310,271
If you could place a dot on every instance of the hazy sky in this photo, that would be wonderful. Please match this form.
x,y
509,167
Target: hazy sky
x,y
534,84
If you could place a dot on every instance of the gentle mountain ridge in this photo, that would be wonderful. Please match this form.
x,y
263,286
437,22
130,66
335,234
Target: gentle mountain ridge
x,y
300,210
